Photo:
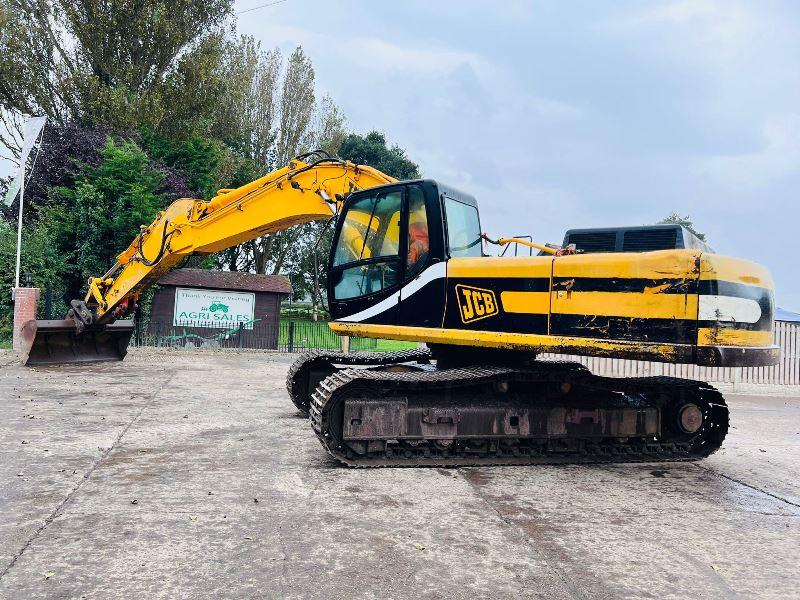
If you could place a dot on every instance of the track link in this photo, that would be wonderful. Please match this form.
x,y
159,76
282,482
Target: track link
x,y
666,393
318,364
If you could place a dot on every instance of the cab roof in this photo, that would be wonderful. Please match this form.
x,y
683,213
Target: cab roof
x,y
442,188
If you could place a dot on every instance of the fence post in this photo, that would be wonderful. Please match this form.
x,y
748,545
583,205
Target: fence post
x,y
241,327
290,340
48,303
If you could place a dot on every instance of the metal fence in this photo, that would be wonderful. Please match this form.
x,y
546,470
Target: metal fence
x,y
786,372
300,335
287,336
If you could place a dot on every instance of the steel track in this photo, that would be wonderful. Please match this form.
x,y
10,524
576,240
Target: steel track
x,y
337,387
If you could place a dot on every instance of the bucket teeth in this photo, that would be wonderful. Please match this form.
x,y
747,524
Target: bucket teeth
x,y
59,342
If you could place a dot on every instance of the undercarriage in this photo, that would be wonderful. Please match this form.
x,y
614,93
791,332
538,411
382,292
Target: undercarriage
x,y
395,409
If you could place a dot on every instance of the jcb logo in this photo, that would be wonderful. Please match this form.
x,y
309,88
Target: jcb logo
x,y
475,303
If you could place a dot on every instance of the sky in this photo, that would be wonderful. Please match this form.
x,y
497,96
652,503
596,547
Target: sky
x,y
578,114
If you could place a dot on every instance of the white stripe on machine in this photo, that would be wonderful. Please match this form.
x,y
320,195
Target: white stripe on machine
x,y
729,308
435,271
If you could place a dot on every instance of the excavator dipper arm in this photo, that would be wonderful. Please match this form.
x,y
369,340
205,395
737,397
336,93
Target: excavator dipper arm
x,y
300,192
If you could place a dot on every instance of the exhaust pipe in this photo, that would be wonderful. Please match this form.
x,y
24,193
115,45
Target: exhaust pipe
x,y
59,342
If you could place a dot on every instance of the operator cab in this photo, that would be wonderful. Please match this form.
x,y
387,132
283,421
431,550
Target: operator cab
x,y
391,237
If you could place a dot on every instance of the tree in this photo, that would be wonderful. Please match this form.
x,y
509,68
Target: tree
x,y
61,148
246,116
149,101
270,112
271,115
66,151
119,63
686,221
296,106
102,213
84,202
301,266
202,160
327,130
40,258
372,150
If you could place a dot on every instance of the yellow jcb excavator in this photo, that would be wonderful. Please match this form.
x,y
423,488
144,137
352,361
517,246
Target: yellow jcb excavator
x,y
408,263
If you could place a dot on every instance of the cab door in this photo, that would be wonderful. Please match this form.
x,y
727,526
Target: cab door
x,y
422,293
365,269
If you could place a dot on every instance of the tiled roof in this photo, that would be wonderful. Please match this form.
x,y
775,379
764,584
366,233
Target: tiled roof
x,y
227,280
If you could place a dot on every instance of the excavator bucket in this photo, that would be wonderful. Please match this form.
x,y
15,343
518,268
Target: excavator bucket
x,y
58,342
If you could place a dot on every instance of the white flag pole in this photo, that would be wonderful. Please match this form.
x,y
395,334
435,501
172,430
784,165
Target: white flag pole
x,y
19,224
33,127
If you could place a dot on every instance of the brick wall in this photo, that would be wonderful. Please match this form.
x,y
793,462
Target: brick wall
x,y
25,300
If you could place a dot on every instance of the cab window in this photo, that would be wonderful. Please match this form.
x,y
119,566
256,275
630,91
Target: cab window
x,y
463,229
371,229
370,235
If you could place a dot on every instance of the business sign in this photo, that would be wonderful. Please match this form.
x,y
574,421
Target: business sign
x,y
214,308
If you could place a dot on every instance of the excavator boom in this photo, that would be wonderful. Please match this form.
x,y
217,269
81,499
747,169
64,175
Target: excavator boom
x,y
298,193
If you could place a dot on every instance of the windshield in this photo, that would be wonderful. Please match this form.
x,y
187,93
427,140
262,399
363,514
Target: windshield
x,y
371,229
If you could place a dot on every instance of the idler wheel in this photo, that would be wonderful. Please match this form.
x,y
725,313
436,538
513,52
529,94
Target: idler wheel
x,y
690,418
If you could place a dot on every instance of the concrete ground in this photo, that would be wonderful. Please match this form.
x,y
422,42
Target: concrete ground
x,y
190,475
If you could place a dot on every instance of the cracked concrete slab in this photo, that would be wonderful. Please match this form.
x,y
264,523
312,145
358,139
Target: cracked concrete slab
x,y
178,474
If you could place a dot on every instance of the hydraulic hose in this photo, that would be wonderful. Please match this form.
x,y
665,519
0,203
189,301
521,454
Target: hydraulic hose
x,y
164,239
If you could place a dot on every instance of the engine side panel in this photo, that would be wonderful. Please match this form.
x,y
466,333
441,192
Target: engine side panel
x,y
647,297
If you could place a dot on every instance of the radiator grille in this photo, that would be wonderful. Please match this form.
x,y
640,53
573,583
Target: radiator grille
x,y
645,240
594,241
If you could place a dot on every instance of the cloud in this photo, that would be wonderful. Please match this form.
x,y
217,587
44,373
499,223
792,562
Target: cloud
x,y
777,157
709,30
375,53
716,22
